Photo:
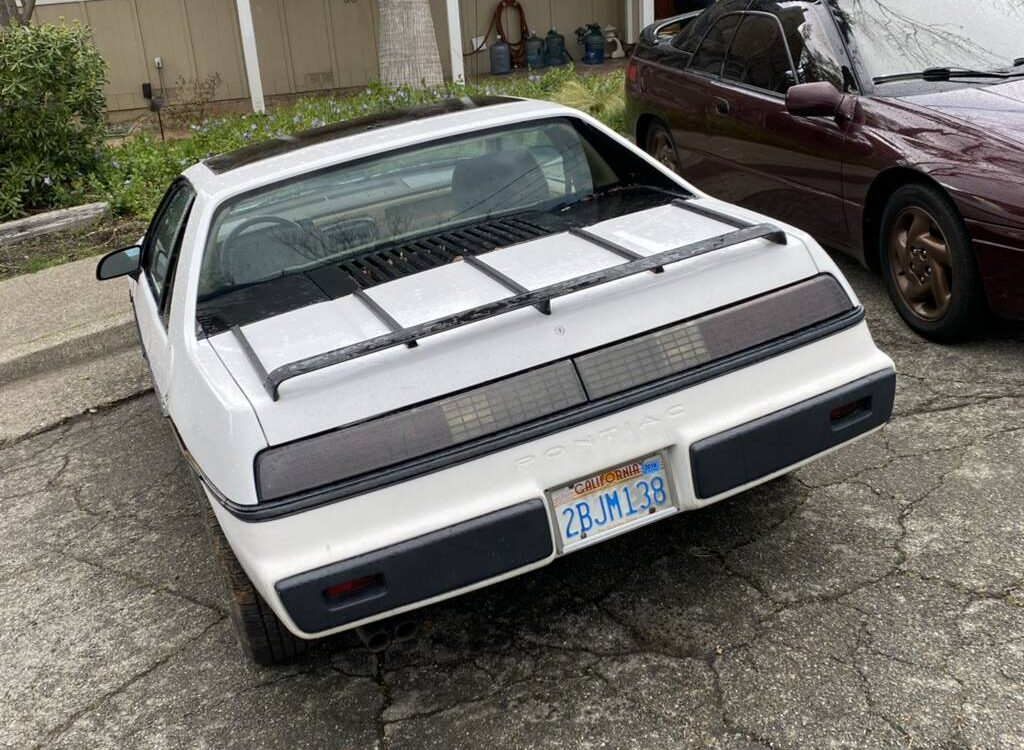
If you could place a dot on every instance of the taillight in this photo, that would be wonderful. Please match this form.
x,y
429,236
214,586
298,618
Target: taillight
x,y
351,586
842,415
632,71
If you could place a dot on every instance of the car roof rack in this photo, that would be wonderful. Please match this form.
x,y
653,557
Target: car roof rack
x,y
520,298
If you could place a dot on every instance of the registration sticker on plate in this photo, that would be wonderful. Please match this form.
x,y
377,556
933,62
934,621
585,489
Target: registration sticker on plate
x,y
606,502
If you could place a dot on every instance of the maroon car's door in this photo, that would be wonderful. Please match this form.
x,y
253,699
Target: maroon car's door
x,y
676,81
766,159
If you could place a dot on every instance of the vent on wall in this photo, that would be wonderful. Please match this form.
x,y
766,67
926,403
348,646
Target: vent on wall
x,y
322,80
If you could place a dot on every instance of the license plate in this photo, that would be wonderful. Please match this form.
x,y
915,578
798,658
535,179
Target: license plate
x,y
607,502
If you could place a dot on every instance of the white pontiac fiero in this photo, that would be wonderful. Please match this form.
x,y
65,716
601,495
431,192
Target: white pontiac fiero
x,y
412,355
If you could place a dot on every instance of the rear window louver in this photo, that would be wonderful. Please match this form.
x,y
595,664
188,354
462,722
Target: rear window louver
x,y
393,262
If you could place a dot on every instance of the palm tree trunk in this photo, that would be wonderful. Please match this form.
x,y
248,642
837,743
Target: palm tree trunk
x,y
407,48
9,9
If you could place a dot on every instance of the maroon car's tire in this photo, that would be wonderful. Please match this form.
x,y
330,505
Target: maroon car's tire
x,y
661,146
929,266
263,637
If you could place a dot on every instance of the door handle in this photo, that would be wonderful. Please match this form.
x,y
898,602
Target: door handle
x,y
721,106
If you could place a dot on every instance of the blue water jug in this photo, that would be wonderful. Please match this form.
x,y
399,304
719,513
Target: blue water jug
x,y
501,58
534,51
592,40
554,45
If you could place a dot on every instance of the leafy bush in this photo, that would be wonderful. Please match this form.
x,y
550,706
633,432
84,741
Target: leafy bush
x,y
52,114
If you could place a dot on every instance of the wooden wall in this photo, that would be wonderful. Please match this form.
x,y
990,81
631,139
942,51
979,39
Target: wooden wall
x,y
303,45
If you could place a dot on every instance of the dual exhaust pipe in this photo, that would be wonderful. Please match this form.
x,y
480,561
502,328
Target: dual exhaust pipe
x,y
377,637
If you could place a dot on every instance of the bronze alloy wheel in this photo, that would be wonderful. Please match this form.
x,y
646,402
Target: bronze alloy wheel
x,y
921,263
662,148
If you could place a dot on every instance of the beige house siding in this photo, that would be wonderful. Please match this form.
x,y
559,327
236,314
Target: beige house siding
x,y
303,45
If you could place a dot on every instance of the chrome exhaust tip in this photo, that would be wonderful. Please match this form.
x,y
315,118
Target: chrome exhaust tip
x,y
405,630
374,637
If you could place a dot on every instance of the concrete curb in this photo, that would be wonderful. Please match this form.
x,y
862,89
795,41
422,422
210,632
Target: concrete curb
x,y
110,339
61,316
68,344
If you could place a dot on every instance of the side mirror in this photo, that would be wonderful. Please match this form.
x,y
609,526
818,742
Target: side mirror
x,y
820,99
123,262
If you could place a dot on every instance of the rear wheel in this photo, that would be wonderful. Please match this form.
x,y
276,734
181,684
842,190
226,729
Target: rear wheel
x,y
263,636
661,146
928,264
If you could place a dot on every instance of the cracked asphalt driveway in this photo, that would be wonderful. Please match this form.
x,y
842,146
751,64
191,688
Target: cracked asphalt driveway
x,y
874,599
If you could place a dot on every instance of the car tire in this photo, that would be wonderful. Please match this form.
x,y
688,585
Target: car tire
x,y
662,147
928,263
262,635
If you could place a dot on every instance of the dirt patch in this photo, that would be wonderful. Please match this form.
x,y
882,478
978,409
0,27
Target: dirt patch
x,y
64,247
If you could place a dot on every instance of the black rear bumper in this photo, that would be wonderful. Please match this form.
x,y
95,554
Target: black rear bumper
x,y
515,537
756,449
420,568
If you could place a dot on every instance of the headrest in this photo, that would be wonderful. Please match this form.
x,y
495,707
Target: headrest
x,y
497,182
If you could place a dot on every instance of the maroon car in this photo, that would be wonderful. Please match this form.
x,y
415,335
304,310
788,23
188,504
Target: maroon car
x,y
890,131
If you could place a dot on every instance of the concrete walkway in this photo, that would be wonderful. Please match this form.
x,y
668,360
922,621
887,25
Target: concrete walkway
x,y
67,344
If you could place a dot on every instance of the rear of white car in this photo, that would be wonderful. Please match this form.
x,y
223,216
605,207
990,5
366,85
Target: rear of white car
x,y
464,406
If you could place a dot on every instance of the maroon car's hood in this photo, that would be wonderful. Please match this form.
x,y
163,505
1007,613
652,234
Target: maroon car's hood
x,y
998,108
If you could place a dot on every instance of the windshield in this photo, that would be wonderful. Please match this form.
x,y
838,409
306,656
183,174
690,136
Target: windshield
x,y
341,213
912,35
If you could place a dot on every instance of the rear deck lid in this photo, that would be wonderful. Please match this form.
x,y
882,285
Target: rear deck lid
x,y
488,349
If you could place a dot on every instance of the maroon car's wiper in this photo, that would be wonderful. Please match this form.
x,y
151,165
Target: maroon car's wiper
x,y
946,74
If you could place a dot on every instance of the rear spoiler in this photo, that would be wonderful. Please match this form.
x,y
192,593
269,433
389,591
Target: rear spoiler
x,y
520,297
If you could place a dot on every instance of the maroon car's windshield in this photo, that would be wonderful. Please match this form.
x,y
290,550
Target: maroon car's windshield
x,y
912,35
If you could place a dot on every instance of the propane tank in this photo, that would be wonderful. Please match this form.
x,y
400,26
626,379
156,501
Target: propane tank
x,y
554,44
591,38
534,51
501,57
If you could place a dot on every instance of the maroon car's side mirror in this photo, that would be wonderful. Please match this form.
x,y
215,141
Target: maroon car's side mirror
x,y
820,99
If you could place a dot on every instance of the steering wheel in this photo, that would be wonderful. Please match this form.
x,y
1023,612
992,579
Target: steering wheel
x,y
257,220
234,234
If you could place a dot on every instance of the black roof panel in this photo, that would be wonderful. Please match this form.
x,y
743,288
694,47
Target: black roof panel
x,y
275,147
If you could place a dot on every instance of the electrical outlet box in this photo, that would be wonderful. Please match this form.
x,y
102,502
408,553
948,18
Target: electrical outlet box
x,y
479,43
158,62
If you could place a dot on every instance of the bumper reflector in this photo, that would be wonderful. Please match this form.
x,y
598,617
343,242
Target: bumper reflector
x,y
346,589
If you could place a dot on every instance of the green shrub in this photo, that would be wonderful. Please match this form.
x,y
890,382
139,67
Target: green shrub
x,y
136,173
52,114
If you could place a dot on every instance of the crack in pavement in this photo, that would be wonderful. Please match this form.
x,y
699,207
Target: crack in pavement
x,y
65,725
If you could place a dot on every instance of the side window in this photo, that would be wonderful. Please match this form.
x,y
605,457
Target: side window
x,y
759,56
692,34
711,54
814,44
164,239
